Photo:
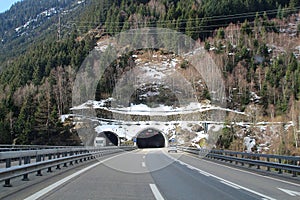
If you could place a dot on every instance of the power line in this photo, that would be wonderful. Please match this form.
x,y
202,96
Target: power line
x,y
173,23
206,19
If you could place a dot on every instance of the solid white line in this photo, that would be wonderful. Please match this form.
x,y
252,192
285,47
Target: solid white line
x,y
59,183
229,184
156,192
244,188
240,170
143,164
203,172
290,192
221,179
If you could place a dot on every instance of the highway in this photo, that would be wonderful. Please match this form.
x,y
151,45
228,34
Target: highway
x,y
156,174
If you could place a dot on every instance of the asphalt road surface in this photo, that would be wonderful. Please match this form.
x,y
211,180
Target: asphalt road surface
x,y
156,174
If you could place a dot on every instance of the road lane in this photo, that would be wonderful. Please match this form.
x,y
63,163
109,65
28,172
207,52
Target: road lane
x,y
120,178
152,174
260,183
176,181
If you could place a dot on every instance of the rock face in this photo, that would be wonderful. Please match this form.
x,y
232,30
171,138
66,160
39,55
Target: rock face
x,y
197,128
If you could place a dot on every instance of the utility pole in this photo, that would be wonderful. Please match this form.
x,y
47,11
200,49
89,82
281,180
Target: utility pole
x,y
59,28
298,133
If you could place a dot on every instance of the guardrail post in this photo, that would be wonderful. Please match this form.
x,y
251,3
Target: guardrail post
x,y
280,170
7,183
39,159
71,154
58,166
49,168
26,161
25,177
242,162
8,165
222,153
294,172
76,161
258,166
268,168
249,157
65,164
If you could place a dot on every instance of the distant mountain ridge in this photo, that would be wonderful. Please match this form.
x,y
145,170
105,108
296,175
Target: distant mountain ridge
x,y
27,20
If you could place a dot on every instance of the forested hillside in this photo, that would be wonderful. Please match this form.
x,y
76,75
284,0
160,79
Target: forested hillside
x,y
255,42
32,21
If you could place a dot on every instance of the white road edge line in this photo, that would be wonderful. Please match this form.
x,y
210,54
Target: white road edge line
x,y
203,173
233,186
156,192
240,170
221,179
62,181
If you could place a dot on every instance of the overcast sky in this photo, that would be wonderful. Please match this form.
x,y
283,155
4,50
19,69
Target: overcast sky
x,y
5,4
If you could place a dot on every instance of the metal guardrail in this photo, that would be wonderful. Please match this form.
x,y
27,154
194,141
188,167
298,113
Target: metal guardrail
x,y
34,161
31,147
290,164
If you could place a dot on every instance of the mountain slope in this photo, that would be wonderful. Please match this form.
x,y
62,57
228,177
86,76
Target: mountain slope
x,y
254,43
31,21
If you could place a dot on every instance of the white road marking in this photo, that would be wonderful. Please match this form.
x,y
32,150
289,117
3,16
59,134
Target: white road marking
x,y
203,172
143,164
59,183
223,180
290,192
144,157
240,170
229,184
194,168
156,192
191,167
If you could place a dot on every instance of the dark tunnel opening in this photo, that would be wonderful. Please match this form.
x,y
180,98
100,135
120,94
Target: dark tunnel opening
x,y
111,139
150,138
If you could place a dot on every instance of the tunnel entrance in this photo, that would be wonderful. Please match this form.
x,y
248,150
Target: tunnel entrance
x,y
111,139
150,138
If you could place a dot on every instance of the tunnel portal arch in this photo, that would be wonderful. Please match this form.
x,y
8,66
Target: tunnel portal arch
x,y
111,138
151,138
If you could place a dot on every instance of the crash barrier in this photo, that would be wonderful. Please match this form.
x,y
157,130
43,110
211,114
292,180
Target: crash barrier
x,y
24,162
286,164
4,148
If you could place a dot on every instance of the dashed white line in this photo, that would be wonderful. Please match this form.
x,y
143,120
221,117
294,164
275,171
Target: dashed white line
x,y
143,164
156,192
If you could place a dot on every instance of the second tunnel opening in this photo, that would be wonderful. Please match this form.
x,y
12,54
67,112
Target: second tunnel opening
x,y
150,138
110,138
